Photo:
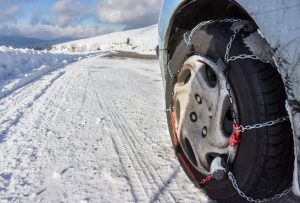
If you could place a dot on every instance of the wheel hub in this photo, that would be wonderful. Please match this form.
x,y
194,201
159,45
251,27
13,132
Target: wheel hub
x,y
201,104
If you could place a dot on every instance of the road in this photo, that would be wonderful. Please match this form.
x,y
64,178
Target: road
x,y
94,131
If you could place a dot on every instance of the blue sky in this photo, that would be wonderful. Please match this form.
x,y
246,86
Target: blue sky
x,y
50,19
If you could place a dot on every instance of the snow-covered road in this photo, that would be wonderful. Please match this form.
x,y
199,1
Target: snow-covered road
x,y
94,131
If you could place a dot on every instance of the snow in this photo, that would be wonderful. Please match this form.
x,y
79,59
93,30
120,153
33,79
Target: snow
x,y
92,131
143,41
19,67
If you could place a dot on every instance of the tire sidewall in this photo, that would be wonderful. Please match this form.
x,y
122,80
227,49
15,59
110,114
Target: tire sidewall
x,y
212,43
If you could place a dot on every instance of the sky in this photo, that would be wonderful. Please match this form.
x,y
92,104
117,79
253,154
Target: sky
x,y
52,19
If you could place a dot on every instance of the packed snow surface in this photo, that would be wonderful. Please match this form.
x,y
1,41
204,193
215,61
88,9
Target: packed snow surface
x,y
93,131
142,41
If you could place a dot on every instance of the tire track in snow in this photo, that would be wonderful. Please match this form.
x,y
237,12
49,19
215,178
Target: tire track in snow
x,y
8,123
136,184
129,141
52,104
148,169
71,75
132,96
20,105
164,177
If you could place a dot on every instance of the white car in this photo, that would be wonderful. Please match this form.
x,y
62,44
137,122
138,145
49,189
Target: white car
x,y
231,72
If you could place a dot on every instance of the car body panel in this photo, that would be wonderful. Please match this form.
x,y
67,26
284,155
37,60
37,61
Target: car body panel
x,y
279,23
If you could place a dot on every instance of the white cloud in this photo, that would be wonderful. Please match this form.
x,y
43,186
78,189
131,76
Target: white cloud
x,y
76,18
133,13
60,5
69,12
52,31
10,13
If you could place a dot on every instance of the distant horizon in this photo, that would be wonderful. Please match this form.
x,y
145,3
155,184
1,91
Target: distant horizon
x,y
72,38
18,36
31,42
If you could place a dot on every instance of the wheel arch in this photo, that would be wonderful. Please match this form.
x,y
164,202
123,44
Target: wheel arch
x,y
190,13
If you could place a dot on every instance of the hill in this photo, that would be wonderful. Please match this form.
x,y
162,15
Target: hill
x,y
142,41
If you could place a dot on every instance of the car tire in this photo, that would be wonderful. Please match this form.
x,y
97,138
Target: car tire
x,y
263,165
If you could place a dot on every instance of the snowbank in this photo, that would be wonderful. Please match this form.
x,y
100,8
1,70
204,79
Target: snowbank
x,y
142,41
19,67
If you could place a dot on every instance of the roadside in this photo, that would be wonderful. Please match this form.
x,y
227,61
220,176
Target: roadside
x,y
124,54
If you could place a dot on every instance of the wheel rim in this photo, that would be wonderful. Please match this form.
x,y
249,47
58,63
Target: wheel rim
x,y
202,118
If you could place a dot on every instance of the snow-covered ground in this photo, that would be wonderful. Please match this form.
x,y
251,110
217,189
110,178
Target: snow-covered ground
x,y
142,41
19,67
93,131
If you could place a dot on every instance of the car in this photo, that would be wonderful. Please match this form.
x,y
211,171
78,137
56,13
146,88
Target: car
x,y
231,73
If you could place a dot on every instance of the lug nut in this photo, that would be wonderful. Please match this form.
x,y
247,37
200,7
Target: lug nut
x,y
198,98
193,117
204,131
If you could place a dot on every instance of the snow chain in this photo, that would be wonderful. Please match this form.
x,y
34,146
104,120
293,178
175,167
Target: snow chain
x,y
237,129
250,199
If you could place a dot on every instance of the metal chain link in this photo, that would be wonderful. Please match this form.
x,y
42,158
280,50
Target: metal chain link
x,y
229,45
229,58
250,199
169,71
262,125
205,180
234,114
174,79
170,109
188,36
